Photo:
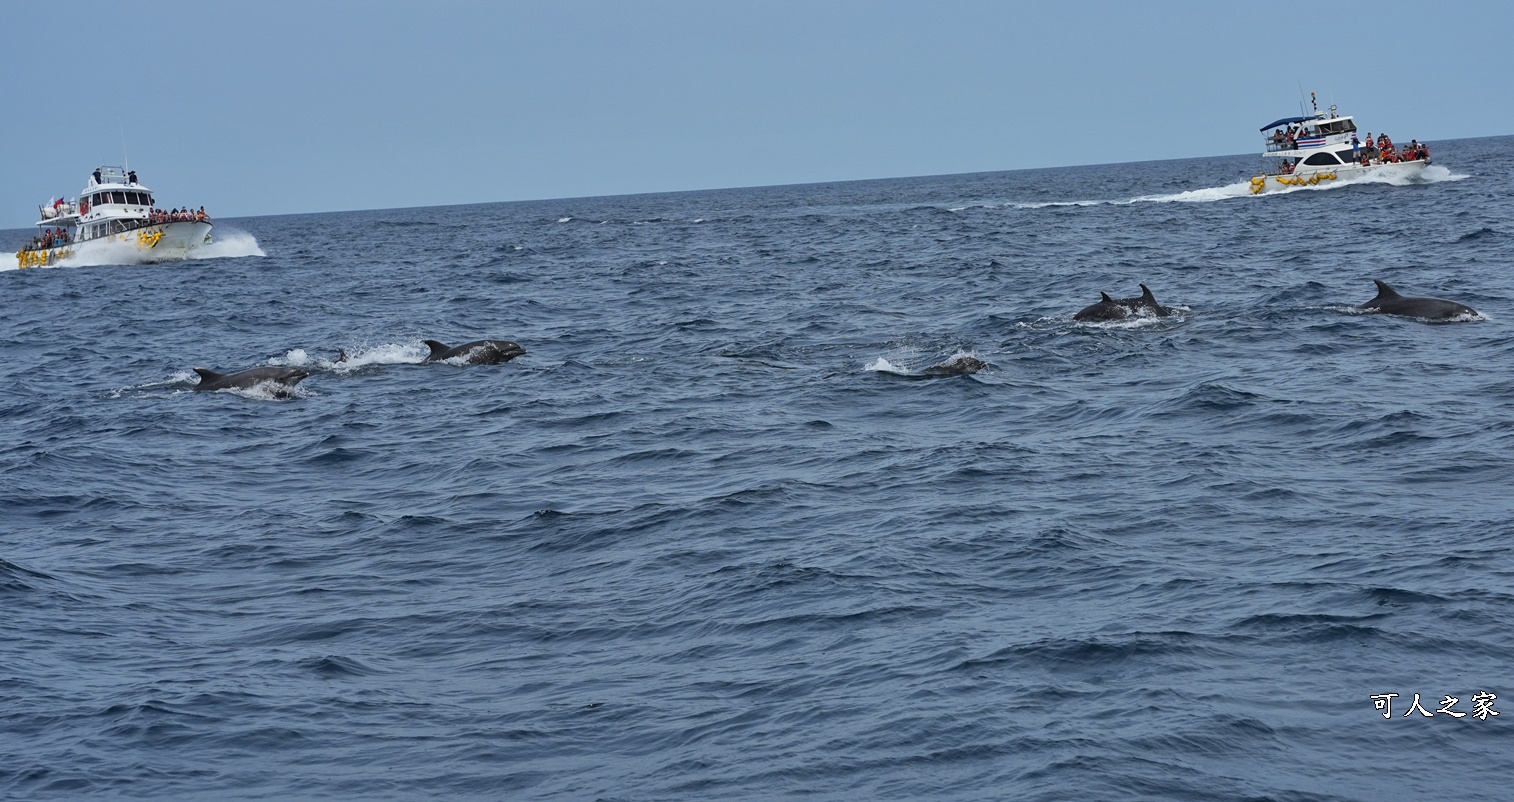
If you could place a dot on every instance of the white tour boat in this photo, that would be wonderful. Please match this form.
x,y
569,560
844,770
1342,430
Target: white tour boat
x,y
1308,150
114,219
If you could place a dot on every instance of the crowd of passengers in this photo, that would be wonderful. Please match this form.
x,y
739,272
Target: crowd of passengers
x,y
48,239
177,216
1379,151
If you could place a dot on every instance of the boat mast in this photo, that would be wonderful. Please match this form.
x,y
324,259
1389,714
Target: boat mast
x,y
125,161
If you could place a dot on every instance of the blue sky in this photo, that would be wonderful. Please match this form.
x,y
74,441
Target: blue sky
x,y
272,107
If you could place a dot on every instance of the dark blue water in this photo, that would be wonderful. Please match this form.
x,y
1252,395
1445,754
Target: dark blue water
x,y
712,538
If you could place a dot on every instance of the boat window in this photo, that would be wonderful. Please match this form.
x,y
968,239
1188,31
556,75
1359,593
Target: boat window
x,y
120,197
1345,155
1321,159
1337,127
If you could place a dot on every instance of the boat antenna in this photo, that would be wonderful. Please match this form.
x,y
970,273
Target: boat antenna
x,y
125,162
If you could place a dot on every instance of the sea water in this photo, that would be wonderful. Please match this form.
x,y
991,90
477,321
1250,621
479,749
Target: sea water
x,y
715,535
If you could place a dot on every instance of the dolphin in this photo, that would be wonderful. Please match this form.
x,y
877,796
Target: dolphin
x,y
960,365
282,378
1120,308
1389,302
478,352
1106,309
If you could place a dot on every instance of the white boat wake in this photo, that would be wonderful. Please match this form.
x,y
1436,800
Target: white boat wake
x,y
224,245
1432,174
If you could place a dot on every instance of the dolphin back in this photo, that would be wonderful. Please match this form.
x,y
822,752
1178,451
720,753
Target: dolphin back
x,y
1149,300
478,352
1389,302
287,377
1385,294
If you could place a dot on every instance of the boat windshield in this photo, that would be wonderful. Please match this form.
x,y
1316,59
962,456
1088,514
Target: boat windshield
x,y
1340,126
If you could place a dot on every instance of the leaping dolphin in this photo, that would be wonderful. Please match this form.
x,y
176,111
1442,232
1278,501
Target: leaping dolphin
x,y
281,378
1120,308
478,352
1389,302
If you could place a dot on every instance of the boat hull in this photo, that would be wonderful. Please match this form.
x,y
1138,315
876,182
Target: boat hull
x,y
159,242
1330,175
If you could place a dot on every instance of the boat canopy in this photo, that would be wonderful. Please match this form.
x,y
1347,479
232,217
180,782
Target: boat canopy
x,y
1286,121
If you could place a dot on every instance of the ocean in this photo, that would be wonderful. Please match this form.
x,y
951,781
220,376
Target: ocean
x,y
720,534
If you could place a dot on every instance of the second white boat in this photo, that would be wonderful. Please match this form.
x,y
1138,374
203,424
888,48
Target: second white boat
x,y
1325,147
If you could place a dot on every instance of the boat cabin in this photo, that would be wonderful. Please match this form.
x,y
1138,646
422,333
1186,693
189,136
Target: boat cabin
x,y
112,202
1319,141
1300,133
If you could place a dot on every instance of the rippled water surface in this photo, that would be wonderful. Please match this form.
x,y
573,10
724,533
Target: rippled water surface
x,y
718,535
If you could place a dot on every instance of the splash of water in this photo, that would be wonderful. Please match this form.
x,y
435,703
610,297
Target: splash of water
x,y
1431,174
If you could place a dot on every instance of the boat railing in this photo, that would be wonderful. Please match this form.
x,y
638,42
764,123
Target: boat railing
x,y
119,225
110,175
43,242
115,225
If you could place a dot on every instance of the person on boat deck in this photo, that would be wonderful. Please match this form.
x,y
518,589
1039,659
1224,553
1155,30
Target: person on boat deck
x,y
131,177
1356,147
96,174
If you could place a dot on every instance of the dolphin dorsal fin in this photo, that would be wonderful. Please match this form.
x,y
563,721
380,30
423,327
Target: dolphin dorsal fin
x,y
1104,296
1147,296
1384,292
437,349
207,375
